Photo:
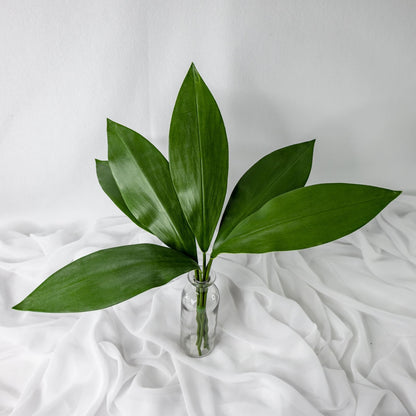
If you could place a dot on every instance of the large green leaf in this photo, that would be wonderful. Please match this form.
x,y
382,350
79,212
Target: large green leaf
x,y
306,217
109,186
198,153
279,172
107,277
143,178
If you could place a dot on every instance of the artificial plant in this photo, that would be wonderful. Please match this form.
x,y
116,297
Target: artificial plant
x,y
181,201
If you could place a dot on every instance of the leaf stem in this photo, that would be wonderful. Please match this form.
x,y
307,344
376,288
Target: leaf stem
x,y
201,315
208,268
204,266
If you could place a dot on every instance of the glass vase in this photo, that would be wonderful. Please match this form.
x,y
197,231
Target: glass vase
x,y
199,310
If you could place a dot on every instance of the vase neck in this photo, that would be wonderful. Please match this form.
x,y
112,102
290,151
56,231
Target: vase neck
x,y
192,278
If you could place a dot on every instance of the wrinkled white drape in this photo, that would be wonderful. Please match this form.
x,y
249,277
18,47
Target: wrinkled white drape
x,y
329,330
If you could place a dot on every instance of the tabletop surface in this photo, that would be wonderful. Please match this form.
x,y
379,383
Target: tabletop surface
x,y
329,330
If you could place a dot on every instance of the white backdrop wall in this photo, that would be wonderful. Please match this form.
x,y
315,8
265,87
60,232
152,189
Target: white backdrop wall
x,y
282,71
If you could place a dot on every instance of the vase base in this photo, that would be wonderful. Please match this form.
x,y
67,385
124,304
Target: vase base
x,y
191,349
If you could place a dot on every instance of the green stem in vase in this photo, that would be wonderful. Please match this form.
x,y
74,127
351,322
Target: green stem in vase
x,y
201,315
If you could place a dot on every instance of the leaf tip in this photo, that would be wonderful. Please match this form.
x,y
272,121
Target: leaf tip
x,y
310,143
110,124
19,306
29,303
99,166
391,194
194,72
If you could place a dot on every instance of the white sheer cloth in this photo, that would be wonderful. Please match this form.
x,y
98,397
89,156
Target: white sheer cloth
x,y
324,331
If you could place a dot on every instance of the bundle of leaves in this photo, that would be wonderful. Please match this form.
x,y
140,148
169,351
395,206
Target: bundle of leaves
x,y
180,202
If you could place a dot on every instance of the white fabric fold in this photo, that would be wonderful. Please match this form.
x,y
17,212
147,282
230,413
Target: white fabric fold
x,y
329,330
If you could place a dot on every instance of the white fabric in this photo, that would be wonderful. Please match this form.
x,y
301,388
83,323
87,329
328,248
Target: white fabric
x,y
324,331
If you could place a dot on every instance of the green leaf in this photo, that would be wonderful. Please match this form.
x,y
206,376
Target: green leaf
x,y
306,217
107,277
143,178
279,172
109,186
198,153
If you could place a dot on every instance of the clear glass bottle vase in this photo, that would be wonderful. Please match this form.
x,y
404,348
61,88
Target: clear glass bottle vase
x,y
199,309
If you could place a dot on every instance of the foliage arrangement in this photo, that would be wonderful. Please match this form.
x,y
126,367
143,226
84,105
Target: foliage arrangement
x,y
180,202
